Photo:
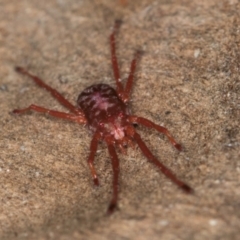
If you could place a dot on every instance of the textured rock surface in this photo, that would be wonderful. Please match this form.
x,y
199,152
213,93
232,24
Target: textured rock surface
x,y
188,81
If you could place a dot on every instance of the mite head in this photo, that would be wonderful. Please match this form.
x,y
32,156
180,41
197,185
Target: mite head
x,y
114,127
118,130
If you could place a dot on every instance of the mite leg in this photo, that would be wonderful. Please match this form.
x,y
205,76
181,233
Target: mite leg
x,y
93,150
167,172
54,92
129,83
115,164
150,124
68,116
114,57
123,2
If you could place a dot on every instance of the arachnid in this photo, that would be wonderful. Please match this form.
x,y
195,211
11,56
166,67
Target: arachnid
x,y
105,111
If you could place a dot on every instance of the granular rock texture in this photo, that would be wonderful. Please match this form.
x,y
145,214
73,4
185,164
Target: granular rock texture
x,y
187,81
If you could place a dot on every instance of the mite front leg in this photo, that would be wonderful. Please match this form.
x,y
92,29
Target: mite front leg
x,y
57,114
129,83
58,96
150,124
115,66
115,164
167,172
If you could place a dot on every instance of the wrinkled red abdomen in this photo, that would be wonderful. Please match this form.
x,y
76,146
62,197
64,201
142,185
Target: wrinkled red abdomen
x,y
102,108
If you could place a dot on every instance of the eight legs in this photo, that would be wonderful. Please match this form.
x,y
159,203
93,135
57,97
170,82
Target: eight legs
x,y
68,116
78,116
150,124
54,92
115,164
159,165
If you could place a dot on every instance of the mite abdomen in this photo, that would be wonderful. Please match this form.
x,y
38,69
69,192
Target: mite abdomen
x,y
100,104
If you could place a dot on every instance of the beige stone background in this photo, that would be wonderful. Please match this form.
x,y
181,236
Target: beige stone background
x,y
187,80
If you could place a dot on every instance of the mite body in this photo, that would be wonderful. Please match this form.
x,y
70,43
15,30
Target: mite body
x,y
105,111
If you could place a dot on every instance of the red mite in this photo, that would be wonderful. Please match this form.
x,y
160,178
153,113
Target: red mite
x,y
106,113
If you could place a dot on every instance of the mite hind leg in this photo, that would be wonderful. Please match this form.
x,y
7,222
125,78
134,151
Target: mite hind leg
x,y
167,172
115,164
